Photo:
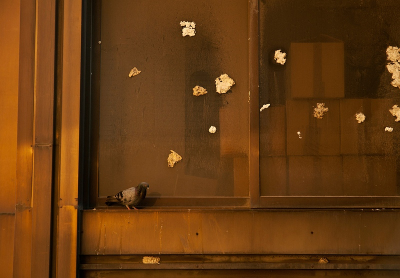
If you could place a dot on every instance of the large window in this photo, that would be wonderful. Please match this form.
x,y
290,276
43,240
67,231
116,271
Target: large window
x,y
320,131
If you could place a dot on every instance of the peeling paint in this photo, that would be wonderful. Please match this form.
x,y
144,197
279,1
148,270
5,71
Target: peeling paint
x,y
134,72
320,110
151,260
393,55
212,129
188,28
395,111
280,57
199,91
360,117
323,261
388,129
223,83
173,158
265,106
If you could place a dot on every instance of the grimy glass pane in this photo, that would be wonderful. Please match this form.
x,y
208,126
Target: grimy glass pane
x,y
144,116
329,129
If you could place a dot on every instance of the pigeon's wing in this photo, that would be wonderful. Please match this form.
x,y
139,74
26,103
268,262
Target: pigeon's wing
x,y
140,193
128,196
123,197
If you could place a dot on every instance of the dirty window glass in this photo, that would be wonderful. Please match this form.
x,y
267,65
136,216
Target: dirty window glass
x,y
144,115
330,128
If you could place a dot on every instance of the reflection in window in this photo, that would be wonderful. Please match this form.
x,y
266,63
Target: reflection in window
x,y
336,60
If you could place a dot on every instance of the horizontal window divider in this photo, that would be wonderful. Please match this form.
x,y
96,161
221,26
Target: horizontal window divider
x,y
334,202
155,202
241,262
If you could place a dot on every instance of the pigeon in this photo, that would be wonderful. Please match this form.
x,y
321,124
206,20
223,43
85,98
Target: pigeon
x,y
129,197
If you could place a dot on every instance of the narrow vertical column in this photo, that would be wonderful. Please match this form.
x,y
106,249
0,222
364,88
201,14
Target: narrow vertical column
x,y
43,137
26,81
254,139
68,137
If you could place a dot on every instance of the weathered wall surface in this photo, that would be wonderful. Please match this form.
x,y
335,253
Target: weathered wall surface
x,y
9,57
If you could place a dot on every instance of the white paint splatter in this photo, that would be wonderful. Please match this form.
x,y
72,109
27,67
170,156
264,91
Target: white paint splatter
x,y
188,28
393,55
320,110
395,111
280,57
360,117
223,83
212,129
323,261
265,106
299,134
389,129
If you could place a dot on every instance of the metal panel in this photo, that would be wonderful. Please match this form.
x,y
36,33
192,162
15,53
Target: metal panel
x,y
252,232
66,241
43,137
23,212
240,273
68,132
6,244
9,34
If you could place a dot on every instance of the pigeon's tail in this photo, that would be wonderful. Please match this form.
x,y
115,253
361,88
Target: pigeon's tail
x,y
111,200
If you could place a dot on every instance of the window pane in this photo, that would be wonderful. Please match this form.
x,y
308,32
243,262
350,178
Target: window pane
x,y
145,116
312,143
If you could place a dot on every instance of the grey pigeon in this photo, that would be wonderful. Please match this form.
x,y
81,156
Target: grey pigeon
x,y
129,197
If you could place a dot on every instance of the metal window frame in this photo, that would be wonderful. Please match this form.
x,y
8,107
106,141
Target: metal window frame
x,y
90,126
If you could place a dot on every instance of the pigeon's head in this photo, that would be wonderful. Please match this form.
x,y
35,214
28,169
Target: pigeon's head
x,y
143,186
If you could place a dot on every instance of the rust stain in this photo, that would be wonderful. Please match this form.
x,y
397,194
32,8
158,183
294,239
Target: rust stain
x,y
97,250
218,231
160,234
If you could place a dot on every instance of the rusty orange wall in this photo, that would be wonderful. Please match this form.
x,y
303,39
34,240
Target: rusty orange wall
x,y
6,244
9,58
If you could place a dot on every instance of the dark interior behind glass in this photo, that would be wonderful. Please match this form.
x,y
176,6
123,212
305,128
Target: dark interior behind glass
x,y
336,55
